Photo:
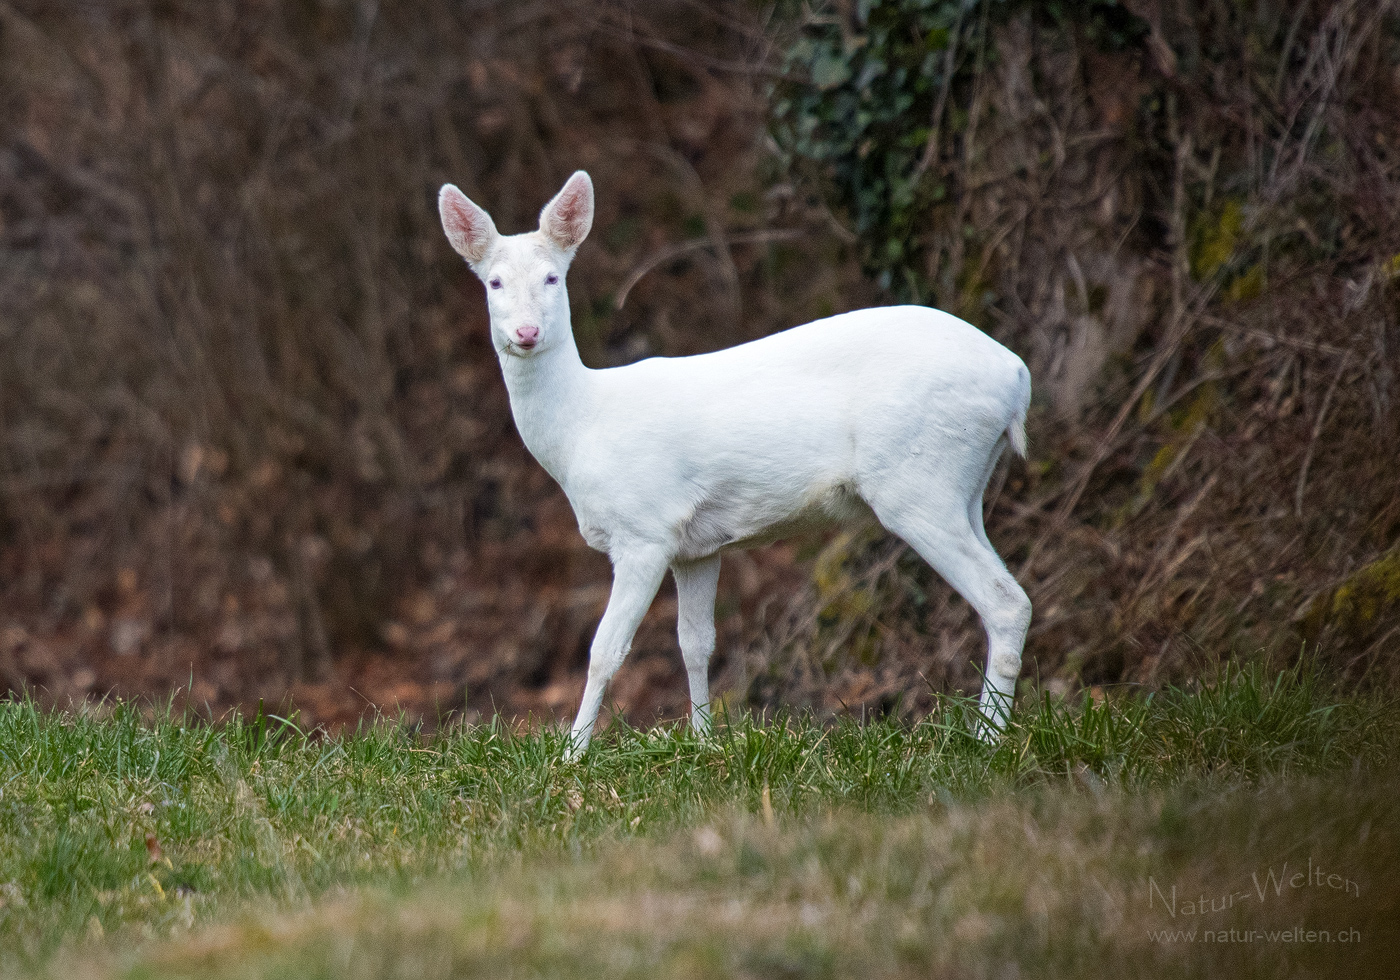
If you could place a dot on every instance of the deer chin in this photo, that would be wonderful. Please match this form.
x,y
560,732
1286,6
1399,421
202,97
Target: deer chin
x,y
516,347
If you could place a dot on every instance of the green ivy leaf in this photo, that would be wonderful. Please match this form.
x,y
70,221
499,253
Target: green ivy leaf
x,y
830,71
863,114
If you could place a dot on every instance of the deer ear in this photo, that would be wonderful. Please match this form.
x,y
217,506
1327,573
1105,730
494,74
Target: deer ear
x,y
470,229
566,219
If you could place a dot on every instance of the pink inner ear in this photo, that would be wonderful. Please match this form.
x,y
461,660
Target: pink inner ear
x,y
568,215
464,225
570,208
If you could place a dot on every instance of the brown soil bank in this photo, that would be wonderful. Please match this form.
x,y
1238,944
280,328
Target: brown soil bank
x,y
253,441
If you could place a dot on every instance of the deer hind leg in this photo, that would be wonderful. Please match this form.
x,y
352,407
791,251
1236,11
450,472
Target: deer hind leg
x,y
696,584
975,505
938,525
636,577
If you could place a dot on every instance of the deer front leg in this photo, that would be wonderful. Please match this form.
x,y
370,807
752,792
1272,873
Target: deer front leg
x,y
636,577
696,584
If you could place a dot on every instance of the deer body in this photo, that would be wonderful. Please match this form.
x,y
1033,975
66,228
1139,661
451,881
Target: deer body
x,y
896,414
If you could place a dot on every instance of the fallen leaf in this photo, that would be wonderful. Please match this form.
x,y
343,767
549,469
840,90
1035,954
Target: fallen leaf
x,y
155,852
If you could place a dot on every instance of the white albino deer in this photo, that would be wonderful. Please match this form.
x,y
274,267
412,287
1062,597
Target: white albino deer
x,y
899,413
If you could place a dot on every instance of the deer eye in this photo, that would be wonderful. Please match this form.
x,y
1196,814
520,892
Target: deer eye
x,y
496,283
551,279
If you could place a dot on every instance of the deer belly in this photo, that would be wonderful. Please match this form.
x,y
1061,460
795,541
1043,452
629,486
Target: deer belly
x,y
740,520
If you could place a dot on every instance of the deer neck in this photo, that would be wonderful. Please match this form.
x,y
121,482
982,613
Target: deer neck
x,y
548,394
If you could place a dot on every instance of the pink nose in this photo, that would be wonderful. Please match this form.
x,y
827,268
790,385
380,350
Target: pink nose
x,y
529,336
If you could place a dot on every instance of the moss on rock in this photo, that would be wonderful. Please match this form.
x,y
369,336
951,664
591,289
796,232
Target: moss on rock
x,y
1358,607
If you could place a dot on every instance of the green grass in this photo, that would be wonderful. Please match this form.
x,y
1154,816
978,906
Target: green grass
x,y
781,849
